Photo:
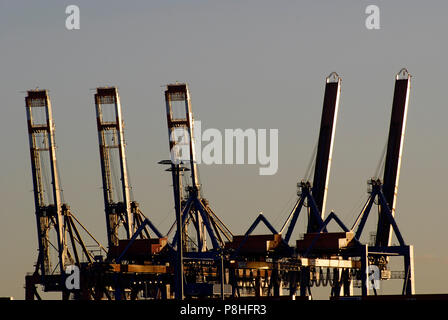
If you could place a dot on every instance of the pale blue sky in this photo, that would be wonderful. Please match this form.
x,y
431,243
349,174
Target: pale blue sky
x,y
249,64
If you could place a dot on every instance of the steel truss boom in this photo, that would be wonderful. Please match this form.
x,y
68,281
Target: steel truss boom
x,y
51,213
47,199
193,207
117,203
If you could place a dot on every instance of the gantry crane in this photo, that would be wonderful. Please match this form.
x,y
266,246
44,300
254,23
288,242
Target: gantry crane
x,y
392,163
56,228
122,212
311,193
207,259
194,208
117,203
385,192
341,252
315,191
190,207
47,199
347,244
128,229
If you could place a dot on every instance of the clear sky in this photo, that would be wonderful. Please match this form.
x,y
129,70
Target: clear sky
x,y
249,64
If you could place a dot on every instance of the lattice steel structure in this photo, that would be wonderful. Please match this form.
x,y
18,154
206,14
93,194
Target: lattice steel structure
x,y
117,201
56,228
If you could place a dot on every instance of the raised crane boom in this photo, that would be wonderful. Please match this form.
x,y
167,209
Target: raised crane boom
x,y
47,197
325,148
193,207
180,127
393,156
117,202
56,228
316,195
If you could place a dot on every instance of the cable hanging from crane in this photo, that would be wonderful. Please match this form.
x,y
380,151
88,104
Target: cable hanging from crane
x,y
311,164
379,171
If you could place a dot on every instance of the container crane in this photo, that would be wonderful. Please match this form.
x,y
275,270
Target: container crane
x,y
56,227
385,192
315,191
191,208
